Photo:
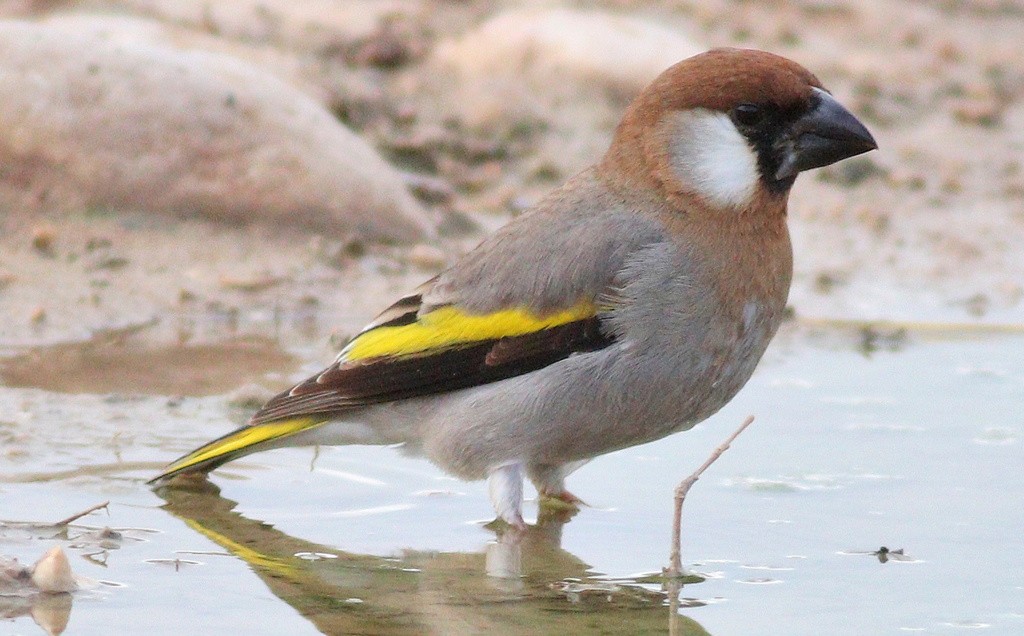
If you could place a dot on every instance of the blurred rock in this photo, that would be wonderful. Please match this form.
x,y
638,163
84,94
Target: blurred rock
x,y
311,25
539,45
528,70
130,31
20,8
93,120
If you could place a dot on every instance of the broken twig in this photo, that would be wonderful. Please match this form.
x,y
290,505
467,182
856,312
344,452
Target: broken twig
x,y
79,515
675,568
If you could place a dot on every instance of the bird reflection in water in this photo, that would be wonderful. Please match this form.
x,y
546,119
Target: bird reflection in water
x,y
523,582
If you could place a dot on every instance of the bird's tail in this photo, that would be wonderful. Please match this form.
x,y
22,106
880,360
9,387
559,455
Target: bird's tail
x,y
248,439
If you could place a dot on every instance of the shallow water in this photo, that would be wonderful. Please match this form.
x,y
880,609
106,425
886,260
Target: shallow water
x,y
916,446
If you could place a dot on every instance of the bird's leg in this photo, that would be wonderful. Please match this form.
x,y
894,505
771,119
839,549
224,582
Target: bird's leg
x,y
505,485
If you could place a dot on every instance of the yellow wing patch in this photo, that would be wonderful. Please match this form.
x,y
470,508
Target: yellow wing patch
x,y
242,440
448,326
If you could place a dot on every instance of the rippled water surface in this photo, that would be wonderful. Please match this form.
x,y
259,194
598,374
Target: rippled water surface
x,y
911,442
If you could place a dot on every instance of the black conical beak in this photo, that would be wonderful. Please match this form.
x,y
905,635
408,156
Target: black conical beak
x,y
827,133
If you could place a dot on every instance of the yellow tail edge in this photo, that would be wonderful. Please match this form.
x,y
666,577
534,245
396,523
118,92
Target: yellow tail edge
x,y
278,566
235,444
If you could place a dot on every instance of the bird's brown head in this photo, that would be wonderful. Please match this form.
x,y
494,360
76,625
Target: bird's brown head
x,y
730,128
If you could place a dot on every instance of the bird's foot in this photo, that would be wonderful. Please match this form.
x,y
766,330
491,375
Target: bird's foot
x,y
502,525
561,500
557,507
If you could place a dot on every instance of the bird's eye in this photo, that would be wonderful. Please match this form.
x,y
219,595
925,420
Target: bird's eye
x,y
748,114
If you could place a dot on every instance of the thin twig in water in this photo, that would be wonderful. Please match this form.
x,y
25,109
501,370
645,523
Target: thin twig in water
x,y
675,568
79,515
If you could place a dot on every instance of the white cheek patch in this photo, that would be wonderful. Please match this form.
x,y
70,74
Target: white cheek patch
x,y
711,157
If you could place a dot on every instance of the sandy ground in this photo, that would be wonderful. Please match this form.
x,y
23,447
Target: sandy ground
x,y
928,228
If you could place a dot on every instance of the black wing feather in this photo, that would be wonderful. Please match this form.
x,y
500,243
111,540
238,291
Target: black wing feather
x,y
386,379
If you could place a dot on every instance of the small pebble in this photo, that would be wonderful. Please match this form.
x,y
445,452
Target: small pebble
x,y
432,190
426,257
43,237
456,223
250,284
384,50
52,572
249,396
978,112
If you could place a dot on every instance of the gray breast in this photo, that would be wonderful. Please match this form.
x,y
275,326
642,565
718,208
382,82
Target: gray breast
x,y
678,358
